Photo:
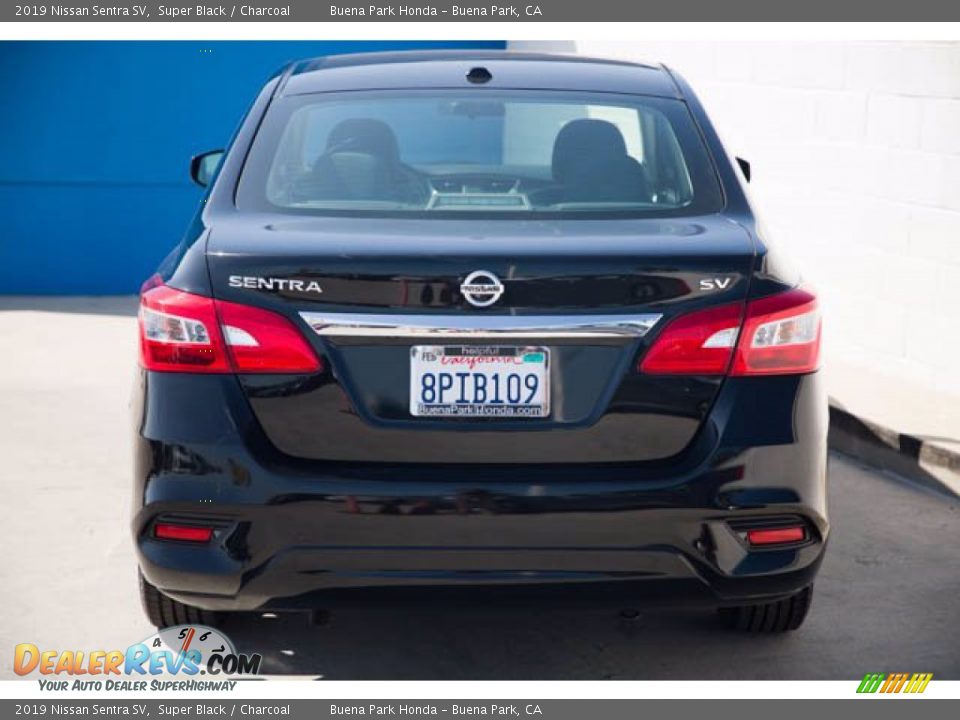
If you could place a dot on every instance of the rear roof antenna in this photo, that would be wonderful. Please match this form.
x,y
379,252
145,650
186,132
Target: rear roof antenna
x,y
479,75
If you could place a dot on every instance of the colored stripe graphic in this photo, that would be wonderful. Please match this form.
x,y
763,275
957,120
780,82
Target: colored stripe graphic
x,y
871,682
894,683
923,680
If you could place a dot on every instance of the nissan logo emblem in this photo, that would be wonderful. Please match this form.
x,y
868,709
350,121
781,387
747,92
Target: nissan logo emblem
x,y
481,288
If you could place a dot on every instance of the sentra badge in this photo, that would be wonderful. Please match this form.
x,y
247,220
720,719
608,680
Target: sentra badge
x,y
249,282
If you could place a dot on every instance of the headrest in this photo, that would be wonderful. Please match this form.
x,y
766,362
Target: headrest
x,y
364,135
586,142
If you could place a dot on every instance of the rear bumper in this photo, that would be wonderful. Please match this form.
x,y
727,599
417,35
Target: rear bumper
x,y
300,534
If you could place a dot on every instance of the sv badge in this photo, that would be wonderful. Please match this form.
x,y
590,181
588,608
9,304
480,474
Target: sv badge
x,y
716,283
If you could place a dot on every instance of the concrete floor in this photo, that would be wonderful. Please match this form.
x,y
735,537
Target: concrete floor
x,y
887,596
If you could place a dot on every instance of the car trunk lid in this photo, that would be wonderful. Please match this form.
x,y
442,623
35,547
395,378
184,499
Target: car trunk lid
x,y
590,295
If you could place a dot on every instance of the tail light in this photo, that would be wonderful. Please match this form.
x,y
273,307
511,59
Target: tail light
x,y
700,343
183,332
780,335
260,341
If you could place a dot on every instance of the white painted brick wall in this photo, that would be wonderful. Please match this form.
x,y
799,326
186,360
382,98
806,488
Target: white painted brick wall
x,y
855,150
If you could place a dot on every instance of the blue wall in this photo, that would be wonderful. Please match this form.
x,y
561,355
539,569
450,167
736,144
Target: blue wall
x,y
95,140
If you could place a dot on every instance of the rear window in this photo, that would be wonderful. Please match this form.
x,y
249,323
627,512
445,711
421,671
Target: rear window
x,y
482,152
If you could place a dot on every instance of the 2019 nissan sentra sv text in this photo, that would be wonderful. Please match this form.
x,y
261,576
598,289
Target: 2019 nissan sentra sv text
x,y
478,328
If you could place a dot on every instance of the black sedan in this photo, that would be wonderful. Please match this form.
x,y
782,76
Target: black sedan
x,y
478,328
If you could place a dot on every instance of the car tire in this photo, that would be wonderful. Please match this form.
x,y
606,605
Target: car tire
x,y
772,617
163,611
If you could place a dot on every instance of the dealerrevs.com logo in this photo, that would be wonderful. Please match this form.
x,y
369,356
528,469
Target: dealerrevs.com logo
x,y
181,651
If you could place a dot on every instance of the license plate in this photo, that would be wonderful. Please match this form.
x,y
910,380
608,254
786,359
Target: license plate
x,y
479,381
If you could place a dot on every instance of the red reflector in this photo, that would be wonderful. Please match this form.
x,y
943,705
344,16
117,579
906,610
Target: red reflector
x,y
776,536
189,533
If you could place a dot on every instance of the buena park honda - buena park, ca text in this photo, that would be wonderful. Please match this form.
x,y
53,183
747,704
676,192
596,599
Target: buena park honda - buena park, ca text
x,y
226,12
505,11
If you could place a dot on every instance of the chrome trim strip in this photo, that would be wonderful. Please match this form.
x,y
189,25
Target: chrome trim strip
x,y
480,326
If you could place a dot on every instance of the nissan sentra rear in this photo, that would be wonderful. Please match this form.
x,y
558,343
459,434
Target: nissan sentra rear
x,y
478,328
